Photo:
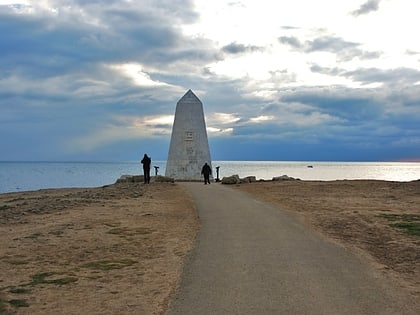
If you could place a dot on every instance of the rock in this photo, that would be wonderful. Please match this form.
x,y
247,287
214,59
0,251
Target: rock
x,y
140,179
248,179
163,179
231,180
130,179
283,177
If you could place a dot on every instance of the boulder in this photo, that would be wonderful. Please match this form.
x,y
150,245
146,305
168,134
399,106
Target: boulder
x,y
131,179
283,177
231,180
140,179
248,179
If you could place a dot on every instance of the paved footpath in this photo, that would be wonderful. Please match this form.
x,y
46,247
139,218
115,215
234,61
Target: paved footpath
x,y
253,258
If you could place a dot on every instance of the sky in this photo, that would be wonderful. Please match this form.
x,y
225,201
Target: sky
x,y
291,80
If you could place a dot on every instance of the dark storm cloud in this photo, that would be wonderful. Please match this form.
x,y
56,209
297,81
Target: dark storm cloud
x,y
102,34
70,49
54,70
60,82
347,105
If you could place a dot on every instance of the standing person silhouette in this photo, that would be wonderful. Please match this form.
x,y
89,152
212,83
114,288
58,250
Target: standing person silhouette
x,y
206,171
146,161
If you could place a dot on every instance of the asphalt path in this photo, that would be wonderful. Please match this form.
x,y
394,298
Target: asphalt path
x,y
251,257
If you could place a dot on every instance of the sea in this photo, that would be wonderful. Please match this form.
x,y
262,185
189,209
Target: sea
x,y
27,176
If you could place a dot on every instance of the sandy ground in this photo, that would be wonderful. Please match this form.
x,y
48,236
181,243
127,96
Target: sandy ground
x,y
361,215
119,249
112,250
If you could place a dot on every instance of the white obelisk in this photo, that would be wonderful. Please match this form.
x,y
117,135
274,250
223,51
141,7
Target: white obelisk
x,y
189,147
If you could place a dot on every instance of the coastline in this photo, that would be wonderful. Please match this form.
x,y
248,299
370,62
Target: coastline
x,y
24,176
120,248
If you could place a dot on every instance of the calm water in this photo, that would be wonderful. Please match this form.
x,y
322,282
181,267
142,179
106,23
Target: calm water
x,y
22,176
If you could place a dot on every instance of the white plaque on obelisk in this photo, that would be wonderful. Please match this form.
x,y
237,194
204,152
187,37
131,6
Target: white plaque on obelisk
x,y
189,147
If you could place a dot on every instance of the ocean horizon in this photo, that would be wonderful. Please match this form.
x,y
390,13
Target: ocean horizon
x,y
26,176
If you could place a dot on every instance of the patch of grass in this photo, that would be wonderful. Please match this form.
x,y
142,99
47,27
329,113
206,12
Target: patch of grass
x,y
56,232
111,224
19,290
34,236
3,305
401,217
106,265
17,262
123,231
4,207
411,228
409,223
117,231
14,200
18,303
45,278
40,278
63,281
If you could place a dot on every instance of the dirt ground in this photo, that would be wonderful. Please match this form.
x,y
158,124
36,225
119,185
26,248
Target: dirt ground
x,y
378,219
112,250
119,249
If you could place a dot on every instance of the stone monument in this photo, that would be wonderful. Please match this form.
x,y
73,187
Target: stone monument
x,y
189,147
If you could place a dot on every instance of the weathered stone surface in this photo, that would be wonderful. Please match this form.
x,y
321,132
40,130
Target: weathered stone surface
x,y
248,179
231,180
189,147
130,179
140,179
283,177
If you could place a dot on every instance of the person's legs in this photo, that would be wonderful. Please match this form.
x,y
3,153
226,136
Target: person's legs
x,y
146,175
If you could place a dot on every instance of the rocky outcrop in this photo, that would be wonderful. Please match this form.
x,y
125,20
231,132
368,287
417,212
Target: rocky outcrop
x,y
140,179
248,179
235,179
163,179
231,180
131,179
283,177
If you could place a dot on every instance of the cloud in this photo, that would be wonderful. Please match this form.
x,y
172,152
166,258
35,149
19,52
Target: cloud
x,y
235,48
261,119
88,79
123,128
367,7
135,72
392,78
294,42
345,50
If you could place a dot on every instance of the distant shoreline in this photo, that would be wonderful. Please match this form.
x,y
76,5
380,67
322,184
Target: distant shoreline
x,y
24,176
213,181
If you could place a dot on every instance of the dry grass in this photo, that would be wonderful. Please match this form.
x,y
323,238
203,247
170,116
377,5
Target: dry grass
x,y
112,250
